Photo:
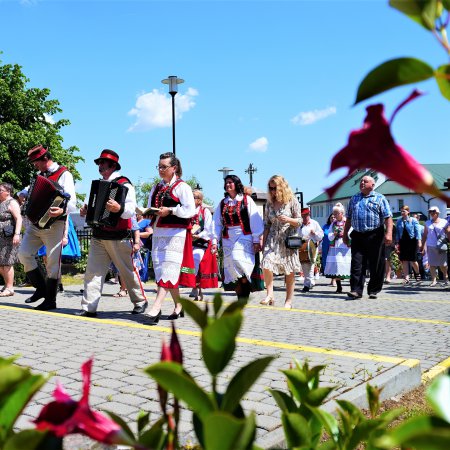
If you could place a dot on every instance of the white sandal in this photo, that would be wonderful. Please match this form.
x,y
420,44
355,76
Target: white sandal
x,y
5,292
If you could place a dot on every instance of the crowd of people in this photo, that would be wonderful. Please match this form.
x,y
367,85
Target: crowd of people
x,y
184,238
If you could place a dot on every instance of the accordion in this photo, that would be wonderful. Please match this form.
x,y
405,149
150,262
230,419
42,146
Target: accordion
x,y
101,192
44,194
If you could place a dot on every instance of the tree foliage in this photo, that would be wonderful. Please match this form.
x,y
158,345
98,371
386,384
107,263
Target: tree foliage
x,y
26,120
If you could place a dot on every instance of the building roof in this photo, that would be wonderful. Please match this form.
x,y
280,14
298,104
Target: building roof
x,y
440,173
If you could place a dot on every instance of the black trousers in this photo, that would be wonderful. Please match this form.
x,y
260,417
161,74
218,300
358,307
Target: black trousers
x,y
367,253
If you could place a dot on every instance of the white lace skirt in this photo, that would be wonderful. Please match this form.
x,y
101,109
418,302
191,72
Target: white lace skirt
x,y
167,256
238,255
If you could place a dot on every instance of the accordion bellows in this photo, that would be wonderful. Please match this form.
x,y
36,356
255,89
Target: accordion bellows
x,y
44,194
101,192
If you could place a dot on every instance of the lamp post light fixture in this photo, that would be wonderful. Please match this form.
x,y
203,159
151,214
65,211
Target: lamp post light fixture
x,y
226,171
173,81
299,196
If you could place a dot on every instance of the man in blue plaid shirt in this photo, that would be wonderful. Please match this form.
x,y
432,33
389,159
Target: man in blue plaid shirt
x,y
370,217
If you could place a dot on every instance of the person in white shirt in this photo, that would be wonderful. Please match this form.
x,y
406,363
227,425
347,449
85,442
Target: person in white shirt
x,y
312,234
239,225
35,237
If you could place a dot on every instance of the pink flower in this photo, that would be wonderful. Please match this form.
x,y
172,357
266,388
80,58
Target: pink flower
x,y
373,146
66,416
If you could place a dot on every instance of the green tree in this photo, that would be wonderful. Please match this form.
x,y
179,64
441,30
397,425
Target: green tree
x,y
26,120
143,189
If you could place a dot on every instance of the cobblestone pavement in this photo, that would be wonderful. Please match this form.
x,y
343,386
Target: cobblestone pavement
x,y
379,340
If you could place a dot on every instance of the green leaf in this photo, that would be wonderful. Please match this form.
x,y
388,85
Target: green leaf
x,y
421,429
222,431
446,4
217,301
17,387
317,396
284,401
242,382
219,341
442,76
248,433
142,420
296,430
424,12
26,439
373,398
122,424
173,378
197,314
329,422
391,74
297,383
238,305
350,408
154,438
438,395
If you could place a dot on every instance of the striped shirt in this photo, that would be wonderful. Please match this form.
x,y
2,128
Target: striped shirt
x,y
368,212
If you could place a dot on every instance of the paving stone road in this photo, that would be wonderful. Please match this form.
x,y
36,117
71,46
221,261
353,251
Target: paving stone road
x,y
391,341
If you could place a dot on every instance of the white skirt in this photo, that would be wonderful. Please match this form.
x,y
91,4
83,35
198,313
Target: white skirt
x,y
167,256
238,255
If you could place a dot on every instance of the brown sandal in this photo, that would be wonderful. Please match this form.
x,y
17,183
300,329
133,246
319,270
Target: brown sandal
x,y
121,293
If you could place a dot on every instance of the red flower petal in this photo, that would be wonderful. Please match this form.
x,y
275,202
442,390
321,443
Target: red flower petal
x,y
175,347
373,147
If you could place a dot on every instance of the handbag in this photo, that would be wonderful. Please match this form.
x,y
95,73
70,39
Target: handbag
x,y
257,278
293,242
8,231
441,242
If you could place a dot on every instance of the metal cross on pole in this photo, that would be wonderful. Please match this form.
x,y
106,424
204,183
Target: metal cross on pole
x,y
251,170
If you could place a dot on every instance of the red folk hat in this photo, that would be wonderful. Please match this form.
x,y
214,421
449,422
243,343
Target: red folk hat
x,y
305,211
36,153
110,155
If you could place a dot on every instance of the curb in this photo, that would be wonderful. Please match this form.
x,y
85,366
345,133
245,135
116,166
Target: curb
x,y
395,381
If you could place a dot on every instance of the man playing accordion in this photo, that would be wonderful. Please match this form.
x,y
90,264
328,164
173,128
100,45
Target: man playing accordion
x,y
51,236
111,242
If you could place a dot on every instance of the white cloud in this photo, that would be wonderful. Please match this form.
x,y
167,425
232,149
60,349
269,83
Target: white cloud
x,y
310,117
49,119
259,145
154,109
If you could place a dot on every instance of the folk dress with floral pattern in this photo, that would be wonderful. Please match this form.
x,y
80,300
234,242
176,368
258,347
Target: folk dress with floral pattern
x,y
339,255
276,257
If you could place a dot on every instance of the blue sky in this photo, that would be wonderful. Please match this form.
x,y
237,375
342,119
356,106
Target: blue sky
x,y
268,83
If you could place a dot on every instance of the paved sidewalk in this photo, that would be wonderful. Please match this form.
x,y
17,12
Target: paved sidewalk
x,y
392,341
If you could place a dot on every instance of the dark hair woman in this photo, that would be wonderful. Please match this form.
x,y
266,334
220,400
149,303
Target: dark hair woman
x,y
239,225
171,245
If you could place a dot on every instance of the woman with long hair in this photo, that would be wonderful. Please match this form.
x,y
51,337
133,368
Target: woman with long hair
x,y
171,245
239,225
10,227
281,219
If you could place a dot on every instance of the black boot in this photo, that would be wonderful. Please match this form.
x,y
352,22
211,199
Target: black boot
x,y
339,286
50,295
36,278
243,288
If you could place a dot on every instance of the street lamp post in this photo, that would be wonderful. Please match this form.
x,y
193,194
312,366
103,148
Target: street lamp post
x,y
226,171
173,81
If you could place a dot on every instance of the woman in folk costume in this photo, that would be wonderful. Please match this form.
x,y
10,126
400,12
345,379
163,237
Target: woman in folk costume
x,y
239,224
339,256
205,261
172,245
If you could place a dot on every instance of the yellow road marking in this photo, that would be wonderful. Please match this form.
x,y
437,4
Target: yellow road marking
x,y
436,370
257,342
359,316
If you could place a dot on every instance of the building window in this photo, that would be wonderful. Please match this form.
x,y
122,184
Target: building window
x,y
401,203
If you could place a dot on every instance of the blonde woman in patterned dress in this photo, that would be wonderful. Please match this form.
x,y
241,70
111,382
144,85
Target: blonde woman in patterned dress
x,y
281,219
10,226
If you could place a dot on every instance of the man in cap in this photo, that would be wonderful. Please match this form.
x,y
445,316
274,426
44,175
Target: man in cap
x,y
112,244
371,218
312,234
51,237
